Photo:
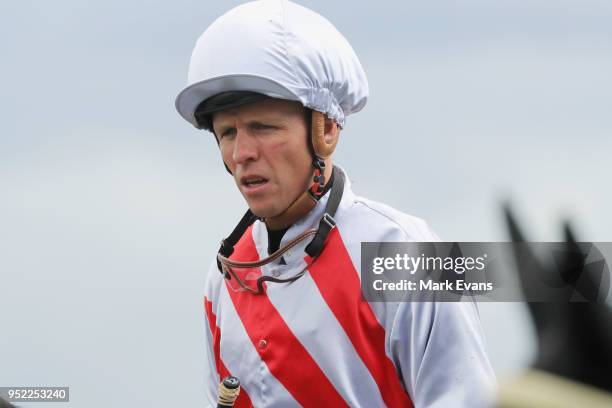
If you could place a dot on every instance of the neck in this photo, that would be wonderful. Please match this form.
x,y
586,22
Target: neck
x,y
300,207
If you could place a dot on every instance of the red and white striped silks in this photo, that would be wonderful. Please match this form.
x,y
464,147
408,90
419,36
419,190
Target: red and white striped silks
x,y
316,343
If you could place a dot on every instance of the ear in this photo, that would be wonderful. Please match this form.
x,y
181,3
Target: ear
x,y
325,134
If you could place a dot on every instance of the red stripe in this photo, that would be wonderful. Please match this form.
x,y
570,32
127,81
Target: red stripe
x,y
339,284
243,400
216,333
285,356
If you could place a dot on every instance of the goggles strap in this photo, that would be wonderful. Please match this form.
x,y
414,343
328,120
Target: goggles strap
x,y
227,245
260,281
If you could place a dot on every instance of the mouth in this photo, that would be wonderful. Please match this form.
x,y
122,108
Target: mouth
x,y
251,184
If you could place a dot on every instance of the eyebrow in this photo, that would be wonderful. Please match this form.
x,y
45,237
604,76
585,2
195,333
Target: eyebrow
x,y
255,122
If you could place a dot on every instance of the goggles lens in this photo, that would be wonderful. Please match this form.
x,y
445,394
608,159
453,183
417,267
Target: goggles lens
x,y
250,276
242,279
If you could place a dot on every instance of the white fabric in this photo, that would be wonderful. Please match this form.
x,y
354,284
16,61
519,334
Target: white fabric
x,y
437,349
280,49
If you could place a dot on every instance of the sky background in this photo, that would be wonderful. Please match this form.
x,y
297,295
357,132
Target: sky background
x,y
112,207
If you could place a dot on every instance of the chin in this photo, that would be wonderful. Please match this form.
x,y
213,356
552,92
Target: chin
x,y
263,211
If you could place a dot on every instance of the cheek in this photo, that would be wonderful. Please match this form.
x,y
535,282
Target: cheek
x,y
295,166
226,154
295,157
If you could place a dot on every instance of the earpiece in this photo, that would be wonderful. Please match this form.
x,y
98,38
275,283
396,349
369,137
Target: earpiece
x,y
322,147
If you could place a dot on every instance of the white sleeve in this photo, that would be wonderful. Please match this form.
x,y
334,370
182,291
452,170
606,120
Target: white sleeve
x,y
439,350
211,376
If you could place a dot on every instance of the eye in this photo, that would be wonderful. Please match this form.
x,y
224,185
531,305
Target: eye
x,y
227,132
262,126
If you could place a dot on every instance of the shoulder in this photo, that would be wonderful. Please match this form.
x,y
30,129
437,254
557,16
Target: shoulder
x,y
381,222
363,220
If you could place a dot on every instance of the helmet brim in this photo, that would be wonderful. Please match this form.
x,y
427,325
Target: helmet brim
x,y
190,98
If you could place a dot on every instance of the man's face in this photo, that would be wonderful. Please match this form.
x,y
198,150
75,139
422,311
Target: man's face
x,y
264,144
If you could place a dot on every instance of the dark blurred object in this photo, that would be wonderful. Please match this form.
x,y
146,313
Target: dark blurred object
x,y
4,404
573,366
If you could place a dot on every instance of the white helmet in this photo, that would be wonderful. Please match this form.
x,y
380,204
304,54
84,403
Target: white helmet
x,y
279,49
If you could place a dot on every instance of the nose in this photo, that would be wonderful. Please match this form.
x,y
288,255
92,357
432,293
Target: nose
x,y
245,147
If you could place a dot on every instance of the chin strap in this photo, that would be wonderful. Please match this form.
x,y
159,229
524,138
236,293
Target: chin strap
x,y
319,177
327,222
300,207
321,149
305,201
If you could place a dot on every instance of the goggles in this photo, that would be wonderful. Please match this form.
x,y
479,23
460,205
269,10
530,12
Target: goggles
x,y
248,276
